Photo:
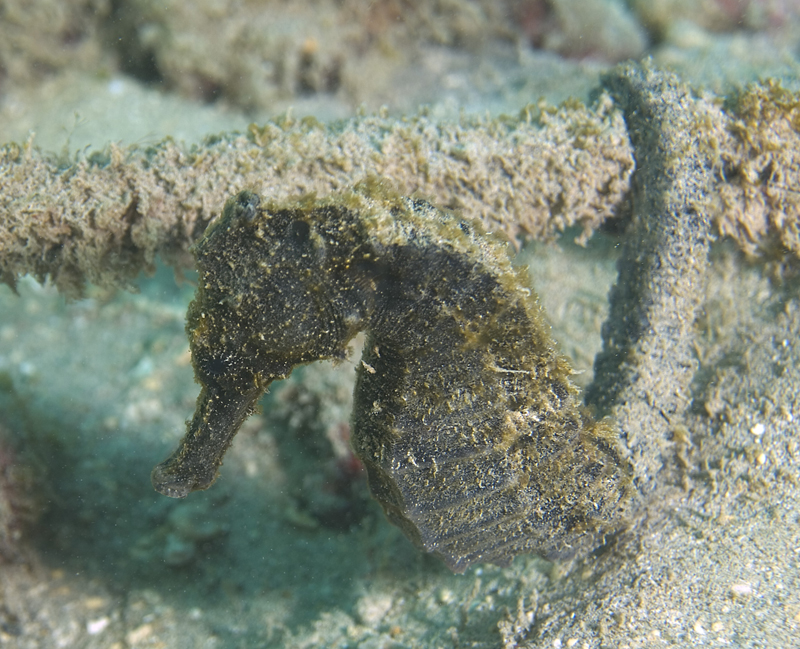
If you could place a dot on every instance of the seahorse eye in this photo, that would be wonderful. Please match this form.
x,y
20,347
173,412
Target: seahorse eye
x,y
297,233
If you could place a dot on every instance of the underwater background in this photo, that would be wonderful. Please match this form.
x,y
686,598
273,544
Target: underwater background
x,y
288,549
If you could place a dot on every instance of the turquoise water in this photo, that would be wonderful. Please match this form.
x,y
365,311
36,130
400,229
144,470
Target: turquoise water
x,y
288,548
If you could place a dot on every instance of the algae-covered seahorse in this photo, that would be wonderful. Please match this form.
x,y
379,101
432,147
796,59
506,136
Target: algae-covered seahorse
x,y
472,434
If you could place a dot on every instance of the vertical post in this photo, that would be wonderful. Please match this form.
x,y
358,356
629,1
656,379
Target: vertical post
x,y
643,373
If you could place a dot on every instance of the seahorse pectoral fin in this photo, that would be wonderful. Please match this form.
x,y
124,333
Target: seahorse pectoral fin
x,y
195,463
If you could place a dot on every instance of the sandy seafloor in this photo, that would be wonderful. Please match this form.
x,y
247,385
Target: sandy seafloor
x,y
97,391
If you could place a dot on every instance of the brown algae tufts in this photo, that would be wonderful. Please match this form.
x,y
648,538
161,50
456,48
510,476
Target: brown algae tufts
x,y
473,436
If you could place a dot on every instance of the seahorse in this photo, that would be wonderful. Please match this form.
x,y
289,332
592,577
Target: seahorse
x,y
473,436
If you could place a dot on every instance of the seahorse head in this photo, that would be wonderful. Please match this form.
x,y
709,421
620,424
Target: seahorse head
x,y
275,291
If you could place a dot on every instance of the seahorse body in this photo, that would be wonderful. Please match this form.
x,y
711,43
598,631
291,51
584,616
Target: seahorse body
x,y
472,434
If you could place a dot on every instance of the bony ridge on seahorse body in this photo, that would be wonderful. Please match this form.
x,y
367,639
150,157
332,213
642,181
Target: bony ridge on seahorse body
x,y
472,434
